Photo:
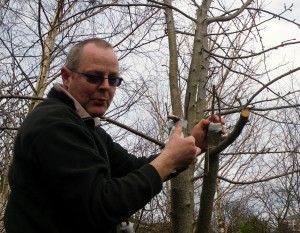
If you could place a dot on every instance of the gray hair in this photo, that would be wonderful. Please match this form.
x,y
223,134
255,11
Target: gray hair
x,y
74,55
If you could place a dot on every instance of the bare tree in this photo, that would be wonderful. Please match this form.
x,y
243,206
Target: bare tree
x,y
195,53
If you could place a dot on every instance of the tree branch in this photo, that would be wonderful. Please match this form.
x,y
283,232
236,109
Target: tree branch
x,y
271,82
253,54
20,97
161,144
234,134
229,17
250,182
259,180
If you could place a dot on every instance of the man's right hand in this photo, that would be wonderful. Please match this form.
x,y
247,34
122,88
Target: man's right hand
x,y
178,153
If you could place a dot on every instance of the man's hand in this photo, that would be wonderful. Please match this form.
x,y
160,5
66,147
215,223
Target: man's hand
x,y
178,153
199,132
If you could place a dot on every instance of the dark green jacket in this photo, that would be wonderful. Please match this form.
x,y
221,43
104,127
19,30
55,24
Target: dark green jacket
x,y
68,175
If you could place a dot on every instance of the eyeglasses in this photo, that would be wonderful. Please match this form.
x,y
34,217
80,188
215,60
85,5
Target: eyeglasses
x,y
99,78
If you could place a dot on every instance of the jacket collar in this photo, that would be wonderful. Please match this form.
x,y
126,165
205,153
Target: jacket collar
x,y
79,109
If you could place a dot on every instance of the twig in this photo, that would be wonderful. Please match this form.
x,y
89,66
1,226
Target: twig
x,y
161,144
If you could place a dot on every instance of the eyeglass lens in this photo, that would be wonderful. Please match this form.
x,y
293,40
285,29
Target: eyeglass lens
x,y
98,79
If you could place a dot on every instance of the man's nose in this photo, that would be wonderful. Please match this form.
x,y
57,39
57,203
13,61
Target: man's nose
x,y
104,84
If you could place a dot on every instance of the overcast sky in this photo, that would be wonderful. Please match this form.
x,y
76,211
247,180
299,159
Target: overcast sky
x,y
279,31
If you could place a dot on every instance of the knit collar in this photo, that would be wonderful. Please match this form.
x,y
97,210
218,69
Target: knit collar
x,y
79,109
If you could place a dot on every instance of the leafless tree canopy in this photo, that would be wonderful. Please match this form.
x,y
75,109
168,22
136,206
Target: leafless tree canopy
x,y
175,57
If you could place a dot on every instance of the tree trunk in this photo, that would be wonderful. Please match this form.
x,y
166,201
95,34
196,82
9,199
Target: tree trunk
x,y
221,223
47,51
209,185
181,186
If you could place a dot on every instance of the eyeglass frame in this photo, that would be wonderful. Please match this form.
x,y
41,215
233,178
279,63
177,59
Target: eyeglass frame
x,y
99,78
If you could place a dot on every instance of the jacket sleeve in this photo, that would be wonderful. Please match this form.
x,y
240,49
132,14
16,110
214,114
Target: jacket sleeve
x,y
121,162
78,174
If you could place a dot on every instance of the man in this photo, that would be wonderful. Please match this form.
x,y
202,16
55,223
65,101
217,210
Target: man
x,y
67,173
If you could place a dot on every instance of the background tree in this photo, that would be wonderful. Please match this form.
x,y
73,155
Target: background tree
x,y
171,57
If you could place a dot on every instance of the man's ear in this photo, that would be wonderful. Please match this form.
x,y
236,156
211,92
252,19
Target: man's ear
x,y
66,76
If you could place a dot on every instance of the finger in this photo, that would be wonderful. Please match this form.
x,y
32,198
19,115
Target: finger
x,y
177,130
204,123
198,151
215,119
218,119
191,138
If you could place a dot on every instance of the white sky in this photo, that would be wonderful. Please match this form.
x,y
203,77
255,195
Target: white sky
x,y
279,31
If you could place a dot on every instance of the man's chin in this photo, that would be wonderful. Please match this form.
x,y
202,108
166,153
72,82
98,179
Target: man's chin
x,y
97,112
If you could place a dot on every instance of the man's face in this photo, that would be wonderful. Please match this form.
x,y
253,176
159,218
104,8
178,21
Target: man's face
x,y
94,98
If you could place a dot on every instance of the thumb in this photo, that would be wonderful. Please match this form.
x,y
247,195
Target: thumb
x,y
198,151
177,130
